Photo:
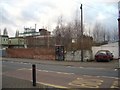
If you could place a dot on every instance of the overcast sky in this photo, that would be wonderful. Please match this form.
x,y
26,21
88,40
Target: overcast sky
x,y
15,14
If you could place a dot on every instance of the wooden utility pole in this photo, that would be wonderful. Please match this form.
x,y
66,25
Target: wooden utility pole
x,y
81,33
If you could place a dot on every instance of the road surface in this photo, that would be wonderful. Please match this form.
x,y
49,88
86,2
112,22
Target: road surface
x,y
63,76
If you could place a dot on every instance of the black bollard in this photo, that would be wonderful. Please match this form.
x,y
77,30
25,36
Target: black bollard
x,y
34,74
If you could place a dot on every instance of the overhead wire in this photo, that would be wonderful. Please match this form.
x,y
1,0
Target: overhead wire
x,y
96,10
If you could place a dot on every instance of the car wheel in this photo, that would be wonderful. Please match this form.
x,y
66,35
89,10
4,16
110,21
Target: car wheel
x,y
97,60
108,60
111,59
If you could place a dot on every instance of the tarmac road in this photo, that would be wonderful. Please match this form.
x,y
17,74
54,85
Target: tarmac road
x,y
63,76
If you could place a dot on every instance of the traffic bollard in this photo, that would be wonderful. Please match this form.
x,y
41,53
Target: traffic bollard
x,y
34,74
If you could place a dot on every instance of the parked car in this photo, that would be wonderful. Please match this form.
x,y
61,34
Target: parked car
x,y
103,55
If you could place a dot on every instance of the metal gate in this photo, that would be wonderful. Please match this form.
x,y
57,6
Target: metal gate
x,y
59,53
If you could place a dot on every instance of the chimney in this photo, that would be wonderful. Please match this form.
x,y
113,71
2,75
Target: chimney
x,y
35,27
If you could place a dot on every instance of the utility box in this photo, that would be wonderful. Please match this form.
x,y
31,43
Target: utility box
x,y
59,53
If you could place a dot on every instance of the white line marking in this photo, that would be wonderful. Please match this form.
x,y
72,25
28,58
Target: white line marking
x,y
59,72
22,69
39,70
25,63
115,69
89,68
52,85
64,73
45,71
109,77
87,76
56,72
67,73
100,76
29,69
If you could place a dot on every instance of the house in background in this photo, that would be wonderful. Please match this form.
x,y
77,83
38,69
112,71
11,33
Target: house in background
x,y
32,38
4,41
16,42
45,39
3,44
29,32
44,32
112,47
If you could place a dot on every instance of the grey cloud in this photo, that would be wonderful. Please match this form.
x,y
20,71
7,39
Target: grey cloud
x,y
12,3
109,10
5,17
8,1
30,11
48,4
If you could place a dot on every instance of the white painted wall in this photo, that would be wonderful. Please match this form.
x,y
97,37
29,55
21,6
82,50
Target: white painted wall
x,y
69,56
112,47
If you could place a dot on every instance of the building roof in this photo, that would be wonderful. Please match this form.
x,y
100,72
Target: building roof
x,y
15,37
3,36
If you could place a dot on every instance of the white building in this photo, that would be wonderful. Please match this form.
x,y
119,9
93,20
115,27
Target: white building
x,y
112,47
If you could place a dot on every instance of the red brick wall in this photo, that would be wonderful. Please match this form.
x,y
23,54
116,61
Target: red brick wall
x,y
37,53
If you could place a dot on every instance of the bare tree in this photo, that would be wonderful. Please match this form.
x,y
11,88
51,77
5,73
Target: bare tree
x,y
67,38
100,33
96,32
108,36
77,25
17,34
5,32
57,35
63,33
0,31
115,35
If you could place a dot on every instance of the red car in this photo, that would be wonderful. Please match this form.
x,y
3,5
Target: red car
x,y
103,55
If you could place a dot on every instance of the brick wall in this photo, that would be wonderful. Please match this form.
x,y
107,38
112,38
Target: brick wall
x,y
34,53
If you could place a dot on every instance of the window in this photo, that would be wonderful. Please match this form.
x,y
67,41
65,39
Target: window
x,y
3,39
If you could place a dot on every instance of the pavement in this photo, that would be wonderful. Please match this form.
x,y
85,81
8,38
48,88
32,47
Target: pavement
x,y
108,65
12,82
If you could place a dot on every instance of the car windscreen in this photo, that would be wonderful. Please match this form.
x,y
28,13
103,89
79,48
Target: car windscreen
x,y
101,52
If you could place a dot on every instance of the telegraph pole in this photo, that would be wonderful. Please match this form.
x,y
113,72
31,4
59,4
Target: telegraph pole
x,y
81,33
